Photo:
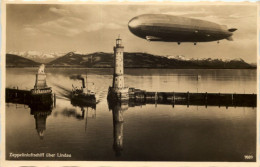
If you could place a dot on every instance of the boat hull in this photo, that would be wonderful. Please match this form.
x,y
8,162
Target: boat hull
x,y
83,100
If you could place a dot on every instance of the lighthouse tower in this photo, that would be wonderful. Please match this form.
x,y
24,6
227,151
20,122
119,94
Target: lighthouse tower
x,y
118,87
118,79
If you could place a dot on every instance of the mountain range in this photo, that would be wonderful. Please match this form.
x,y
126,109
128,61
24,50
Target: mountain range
x,y
131,60
18,61
38,56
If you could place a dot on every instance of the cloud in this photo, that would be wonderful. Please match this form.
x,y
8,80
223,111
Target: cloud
x,y
185,13
114,26
69,26
51,27
59,11
98,26
95,25
70,21
59,27
31,31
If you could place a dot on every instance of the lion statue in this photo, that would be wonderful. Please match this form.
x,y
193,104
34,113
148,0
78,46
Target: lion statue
x,y
41,69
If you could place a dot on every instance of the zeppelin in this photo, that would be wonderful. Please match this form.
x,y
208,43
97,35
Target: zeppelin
x,y
169,28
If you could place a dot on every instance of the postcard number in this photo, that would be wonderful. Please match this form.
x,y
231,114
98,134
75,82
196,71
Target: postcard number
x,y
248,156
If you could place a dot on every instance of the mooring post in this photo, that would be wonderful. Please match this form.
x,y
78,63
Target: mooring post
x,y
188,98
173,97
219,100
234,100
155,98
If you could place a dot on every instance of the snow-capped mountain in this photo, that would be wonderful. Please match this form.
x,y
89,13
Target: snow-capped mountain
x,y
178,57
181,57
38,56
131,60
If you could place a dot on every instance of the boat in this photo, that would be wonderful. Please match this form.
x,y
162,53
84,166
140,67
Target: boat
x,y
83,95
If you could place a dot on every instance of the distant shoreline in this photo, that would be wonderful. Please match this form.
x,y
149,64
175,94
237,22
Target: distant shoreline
x,y
70,67
131,60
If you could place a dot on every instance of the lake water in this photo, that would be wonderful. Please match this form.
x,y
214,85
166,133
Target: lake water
x,y
120,132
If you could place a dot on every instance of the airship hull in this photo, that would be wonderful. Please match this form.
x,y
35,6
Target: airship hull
x,y
159,27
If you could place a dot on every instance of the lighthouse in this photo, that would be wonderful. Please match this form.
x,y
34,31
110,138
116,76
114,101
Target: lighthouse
x,y
118,89
118,79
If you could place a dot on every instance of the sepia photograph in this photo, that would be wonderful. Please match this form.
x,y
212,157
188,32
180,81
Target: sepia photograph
x,y
130,82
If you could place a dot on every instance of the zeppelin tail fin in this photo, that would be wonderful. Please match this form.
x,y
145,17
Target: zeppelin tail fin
x,y
230,38
232,29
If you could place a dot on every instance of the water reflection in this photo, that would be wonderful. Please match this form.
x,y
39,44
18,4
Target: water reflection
x,y
83,104
182,133
40,117
118,108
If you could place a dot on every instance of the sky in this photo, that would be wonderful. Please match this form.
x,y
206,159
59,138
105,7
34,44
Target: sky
x,y
94,28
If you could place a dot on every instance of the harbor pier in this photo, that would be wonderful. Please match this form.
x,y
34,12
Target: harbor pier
x,y
40,97
190,98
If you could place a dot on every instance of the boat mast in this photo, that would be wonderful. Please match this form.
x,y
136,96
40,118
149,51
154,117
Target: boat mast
x,y
86,81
